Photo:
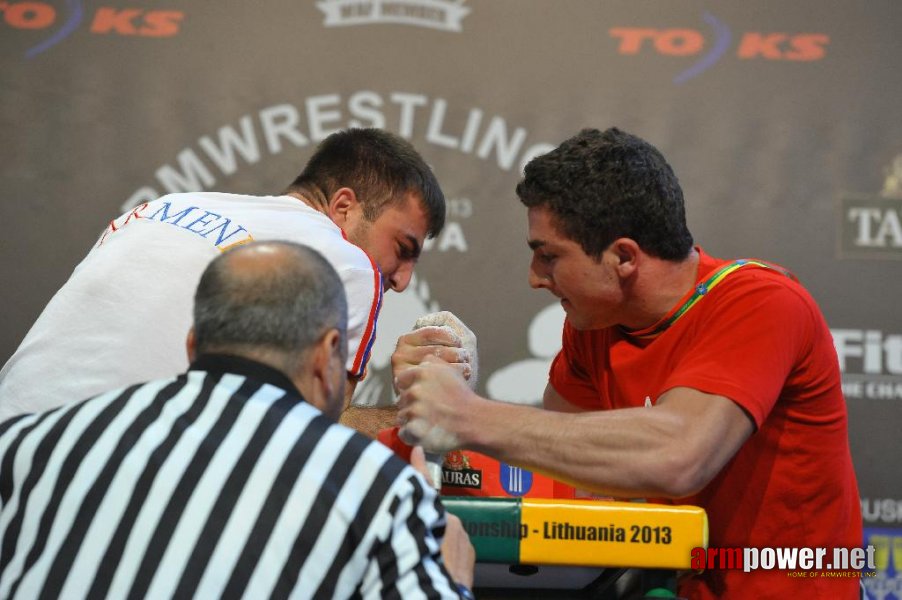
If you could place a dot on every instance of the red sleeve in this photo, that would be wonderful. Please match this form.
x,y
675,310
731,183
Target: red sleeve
x,y
745,347
570,372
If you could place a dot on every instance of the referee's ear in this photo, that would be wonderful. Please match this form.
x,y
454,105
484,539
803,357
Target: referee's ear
x,y
328,370
191,346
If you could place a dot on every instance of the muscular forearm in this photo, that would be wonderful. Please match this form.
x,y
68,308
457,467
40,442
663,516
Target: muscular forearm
x,y
369,420
623,453
670,449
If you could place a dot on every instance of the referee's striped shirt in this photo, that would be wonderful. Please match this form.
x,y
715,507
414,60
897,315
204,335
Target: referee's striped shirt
x,y
221,482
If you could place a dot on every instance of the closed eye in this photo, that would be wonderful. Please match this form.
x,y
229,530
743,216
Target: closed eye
x,y
408,249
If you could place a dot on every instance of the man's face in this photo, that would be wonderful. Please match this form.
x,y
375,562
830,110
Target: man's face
x,y
393,240
589,289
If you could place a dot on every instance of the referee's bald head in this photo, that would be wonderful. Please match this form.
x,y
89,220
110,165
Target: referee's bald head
x,y
274,299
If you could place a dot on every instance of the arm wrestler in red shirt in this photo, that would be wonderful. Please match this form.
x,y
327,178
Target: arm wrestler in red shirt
x,y
682,376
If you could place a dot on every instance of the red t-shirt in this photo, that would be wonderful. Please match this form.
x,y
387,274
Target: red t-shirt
x,y
758,338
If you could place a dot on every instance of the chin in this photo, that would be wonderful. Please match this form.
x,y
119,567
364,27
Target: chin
x,y
581,321
586,323
578,323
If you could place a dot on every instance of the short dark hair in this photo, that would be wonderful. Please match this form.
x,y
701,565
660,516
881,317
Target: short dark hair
x,y
284,306
380,167
603,185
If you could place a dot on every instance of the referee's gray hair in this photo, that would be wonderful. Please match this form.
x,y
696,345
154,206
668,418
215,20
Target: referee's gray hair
x,y
284,305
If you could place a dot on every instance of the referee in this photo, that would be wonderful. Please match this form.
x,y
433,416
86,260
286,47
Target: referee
x,y
232,479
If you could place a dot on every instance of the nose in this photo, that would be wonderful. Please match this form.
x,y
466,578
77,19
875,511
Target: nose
x,y
537,280
400,279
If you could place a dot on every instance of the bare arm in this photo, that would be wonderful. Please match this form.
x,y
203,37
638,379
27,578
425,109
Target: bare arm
x,y
365,419
349,391
672,449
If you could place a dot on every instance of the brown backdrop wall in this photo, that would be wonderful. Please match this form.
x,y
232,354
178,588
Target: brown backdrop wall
x,y
782,121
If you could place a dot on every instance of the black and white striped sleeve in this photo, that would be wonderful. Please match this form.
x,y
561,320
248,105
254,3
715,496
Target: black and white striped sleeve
x,y
407,562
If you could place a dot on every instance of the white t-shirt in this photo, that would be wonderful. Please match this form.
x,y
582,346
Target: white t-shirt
x,y
123,315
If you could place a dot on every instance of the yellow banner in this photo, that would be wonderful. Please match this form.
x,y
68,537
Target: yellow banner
x,y
616,534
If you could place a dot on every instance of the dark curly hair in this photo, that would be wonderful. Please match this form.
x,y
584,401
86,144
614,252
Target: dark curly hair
x,y
610,184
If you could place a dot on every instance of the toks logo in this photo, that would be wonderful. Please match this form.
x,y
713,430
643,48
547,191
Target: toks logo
x,y
691,42
104,21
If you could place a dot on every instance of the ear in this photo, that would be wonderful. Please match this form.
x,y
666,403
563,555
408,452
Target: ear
x,y
627,254
343,207
191,345
328,374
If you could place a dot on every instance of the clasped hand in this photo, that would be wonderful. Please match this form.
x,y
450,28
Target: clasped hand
x,y
431,371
